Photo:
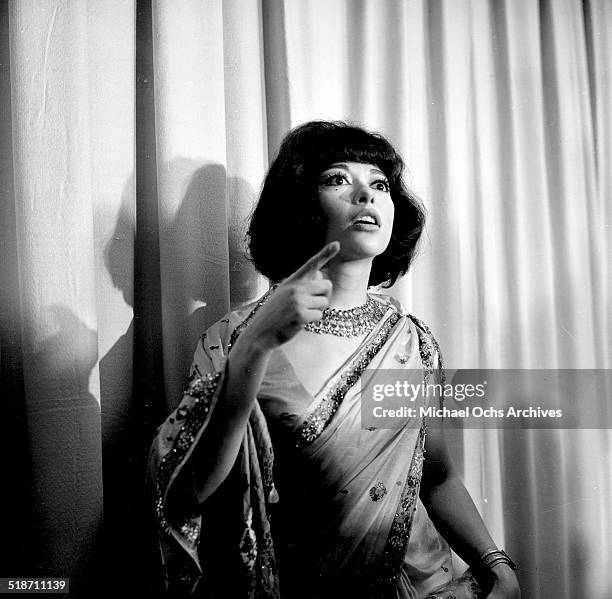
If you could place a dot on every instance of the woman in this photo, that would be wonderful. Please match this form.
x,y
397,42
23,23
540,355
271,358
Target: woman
x,y
266,483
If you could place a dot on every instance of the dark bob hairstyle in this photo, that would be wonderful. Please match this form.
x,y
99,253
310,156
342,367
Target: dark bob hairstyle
x,y
287,225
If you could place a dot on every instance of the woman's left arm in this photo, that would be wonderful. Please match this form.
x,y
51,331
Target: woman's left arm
x,y
454,514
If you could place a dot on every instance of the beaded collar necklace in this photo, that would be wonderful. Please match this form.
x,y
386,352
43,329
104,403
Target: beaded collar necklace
x,y
348,323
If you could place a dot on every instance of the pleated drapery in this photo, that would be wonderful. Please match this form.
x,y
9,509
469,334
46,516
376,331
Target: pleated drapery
x,y
135,137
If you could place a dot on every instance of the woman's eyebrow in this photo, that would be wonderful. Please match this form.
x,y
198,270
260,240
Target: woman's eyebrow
x,y
373,171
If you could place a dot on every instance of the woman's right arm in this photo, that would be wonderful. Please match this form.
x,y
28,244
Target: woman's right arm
x,y
300,299
217,450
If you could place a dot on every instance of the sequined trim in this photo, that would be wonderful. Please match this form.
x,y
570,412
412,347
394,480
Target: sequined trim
x,y
248,543
397,541
264,569
248,319
191,532
428,346
202,389
324,412
399,535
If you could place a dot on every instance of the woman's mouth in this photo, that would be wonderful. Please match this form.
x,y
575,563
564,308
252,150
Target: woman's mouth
x,y
366,222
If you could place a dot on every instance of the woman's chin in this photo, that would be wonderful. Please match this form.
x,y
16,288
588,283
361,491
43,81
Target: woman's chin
x,y
351,253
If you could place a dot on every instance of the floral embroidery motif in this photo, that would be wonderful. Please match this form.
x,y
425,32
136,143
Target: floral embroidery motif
x,y
378,491
322,415
401,358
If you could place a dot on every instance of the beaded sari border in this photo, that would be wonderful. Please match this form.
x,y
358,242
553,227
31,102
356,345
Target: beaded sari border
x,y
399,534
321,416
245,323
428,346
202,389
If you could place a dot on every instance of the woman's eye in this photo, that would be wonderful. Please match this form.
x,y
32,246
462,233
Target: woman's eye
x,y
381,185
334,180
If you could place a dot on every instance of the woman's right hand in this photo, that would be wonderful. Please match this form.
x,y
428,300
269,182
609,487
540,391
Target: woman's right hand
x,y
298,300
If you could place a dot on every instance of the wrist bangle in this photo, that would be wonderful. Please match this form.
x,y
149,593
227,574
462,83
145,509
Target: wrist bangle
x,y
492,557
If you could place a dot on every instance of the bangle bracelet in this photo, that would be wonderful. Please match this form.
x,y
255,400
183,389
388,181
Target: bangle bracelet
x,y
484,554
492,557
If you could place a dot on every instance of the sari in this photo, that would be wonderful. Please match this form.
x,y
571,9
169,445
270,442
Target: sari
x,y
315,505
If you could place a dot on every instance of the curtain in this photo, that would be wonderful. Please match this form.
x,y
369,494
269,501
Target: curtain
x,y
135,137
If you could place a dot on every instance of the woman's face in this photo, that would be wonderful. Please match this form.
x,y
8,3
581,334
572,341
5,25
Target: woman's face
x,y
356,201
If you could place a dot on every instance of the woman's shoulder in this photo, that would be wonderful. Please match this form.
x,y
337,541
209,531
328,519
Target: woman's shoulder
x,y
392,301
421,328
223,329
389,300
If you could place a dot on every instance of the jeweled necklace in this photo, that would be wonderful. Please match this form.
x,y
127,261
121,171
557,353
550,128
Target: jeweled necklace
x,y
348,323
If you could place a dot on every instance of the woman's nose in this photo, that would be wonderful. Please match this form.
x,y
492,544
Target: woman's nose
x,y
364,195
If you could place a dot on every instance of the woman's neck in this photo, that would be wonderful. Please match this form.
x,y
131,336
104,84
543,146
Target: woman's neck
x,y
350,282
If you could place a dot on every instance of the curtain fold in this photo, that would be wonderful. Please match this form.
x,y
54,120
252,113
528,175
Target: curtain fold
x,y
63,204
135,137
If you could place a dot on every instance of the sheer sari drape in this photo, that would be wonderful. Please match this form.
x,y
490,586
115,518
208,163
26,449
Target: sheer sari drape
x,y
347,496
